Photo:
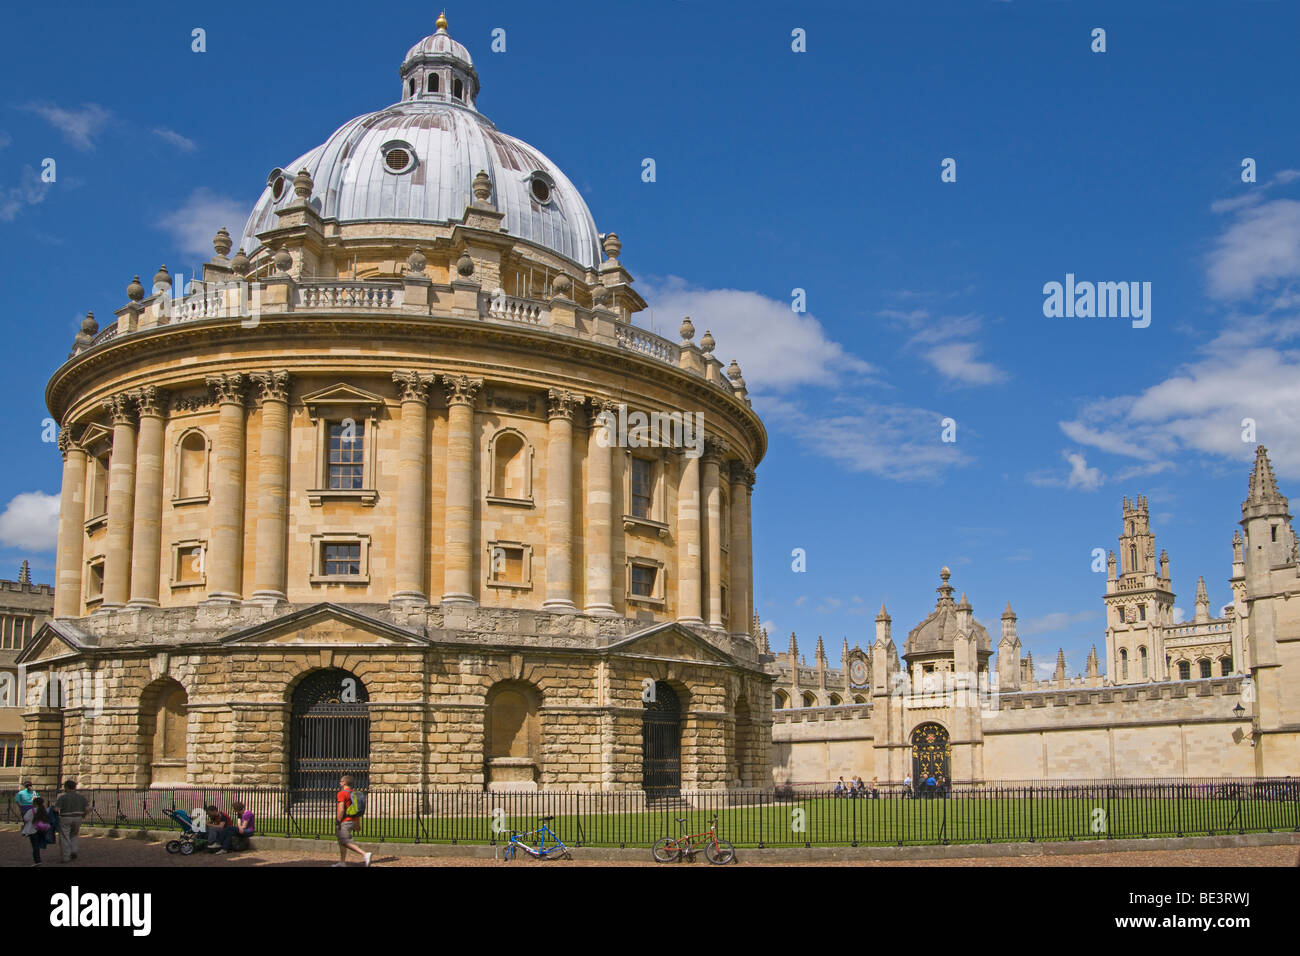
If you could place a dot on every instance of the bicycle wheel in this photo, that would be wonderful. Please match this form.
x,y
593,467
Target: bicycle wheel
x,y
721,854
555,853
666,850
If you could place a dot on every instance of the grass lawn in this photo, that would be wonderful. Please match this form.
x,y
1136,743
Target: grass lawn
x,y
838,822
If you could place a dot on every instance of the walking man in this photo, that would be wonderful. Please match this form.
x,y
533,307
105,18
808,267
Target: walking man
x,y
72,810
349,821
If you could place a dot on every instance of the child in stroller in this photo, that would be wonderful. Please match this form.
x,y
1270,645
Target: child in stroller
x,y
192,837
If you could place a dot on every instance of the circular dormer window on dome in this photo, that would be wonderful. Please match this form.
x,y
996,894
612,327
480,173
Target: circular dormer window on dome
x,y
277,183
399,157
541,187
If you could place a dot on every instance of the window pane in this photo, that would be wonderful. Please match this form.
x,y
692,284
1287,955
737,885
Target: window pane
x,y
643,580
346,455
642,487
342,559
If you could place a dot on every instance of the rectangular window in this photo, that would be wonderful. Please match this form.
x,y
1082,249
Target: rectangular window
x,y
346,455
11,751
341,559
189,564
643,580
95,580
1142,612
643,477
98,495
6,631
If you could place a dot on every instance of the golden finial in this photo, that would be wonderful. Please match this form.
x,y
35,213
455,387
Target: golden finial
x,y
441,23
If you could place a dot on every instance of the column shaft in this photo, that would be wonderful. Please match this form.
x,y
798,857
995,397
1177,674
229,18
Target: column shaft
x,y
225,553
72,534
411,554
121,504
458,557
688,541
559,502
742,569
269,568
599,536
713,537
146,551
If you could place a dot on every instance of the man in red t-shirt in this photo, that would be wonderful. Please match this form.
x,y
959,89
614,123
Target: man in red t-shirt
x,y
348,825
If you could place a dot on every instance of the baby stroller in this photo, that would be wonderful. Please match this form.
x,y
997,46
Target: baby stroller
x,y
191,838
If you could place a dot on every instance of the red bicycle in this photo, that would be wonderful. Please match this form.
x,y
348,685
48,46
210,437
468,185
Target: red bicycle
x,y
675,848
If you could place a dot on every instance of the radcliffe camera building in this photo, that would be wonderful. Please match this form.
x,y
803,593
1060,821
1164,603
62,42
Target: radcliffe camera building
x,y
348,502
349,495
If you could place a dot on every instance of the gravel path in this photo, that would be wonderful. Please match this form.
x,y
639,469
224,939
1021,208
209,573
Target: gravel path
x,y
106,851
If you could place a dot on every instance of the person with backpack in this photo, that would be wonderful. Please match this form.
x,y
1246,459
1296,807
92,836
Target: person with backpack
x,y
351,808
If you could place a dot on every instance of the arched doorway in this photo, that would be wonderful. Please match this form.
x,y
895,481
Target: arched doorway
x,y
329,732
661,744
931,754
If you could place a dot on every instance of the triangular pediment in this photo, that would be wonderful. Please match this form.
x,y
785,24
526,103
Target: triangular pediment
x,y
324,400
670,642
326,625
49,644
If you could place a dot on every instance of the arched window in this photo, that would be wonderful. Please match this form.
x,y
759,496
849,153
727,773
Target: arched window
x,y
1132,557
1142,655
1225,666
511,463
457,89
191,467
836,700
513,735
164,716
859,699
1123,664
782,700
433,82
1184,670
809,699
1204,665
411,85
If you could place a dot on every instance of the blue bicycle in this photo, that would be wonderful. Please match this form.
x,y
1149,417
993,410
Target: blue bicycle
x,y
556,850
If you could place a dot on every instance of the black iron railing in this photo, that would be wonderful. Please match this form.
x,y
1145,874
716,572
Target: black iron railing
x,y
802,815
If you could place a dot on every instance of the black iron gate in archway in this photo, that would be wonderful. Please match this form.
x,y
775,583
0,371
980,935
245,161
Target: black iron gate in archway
x,y
931,755
329,732
661,742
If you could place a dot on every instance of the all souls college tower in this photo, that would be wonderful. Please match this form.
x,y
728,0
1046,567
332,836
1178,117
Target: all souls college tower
x,y
345,502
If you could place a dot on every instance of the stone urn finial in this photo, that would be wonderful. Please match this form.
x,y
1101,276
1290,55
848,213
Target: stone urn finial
x,y
162,279
687,330
416,261
707,342
612,246
302,184
221,242
135,291
482,186
599,295
562,286
89,325
240,262
465,265
733,371
283,260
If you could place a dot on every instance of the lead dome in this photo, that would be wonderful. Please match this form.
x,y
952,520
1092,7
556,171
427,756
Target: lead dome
x,y
414,162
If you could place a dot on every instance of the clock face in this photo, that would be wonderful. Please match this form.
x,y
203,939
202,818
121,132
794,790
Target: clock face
x,y
858,671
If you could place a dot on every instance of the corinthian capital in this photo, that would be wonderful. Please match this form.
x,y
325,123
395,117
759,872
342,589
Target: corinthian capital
x,y
561,403
601,409
65,442
741,472
151,401
413,386
230,389
461,389
715,449
272,386
120,408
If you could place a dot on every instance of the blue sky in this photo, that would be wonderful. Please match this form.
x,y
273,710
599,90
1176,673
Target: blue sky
x,y
778,170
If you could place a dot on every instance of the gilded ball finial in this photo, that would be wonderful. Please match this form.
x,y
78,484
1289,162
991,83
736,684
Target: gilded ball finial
x,y
441,23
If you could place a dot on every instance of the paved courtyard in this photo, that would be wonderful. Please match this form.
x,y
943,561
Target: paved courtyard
x,y
106,851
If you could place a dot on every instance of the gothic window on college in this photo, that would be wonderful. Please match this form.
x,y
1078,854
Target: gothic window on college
x,y
11,751
1132,558
1204,665
1142,655
1123,664
1142,612
1225,666
346,466
1184,670
15,632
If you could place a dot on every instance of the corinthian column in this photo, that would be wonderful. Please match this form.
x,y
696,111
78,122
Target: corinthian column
x,y
559,500
742,566
713,452
121,502
688,540
599,535
272,488
225,556
146,544
411,553
458,555
72,535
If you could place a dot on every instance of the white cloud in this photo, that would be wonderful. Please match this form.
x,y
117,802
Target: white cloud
x,y
1259,248
79,127
29,191
5,139
183,143
30,522
1056,621
943,342
778,349
1081,476
193,224
958,361
1179,615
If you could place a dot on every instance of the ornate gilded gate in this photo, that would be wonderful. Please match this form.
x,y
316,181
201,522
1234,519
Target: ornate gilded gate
x,y
661,742
931,754
329,732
